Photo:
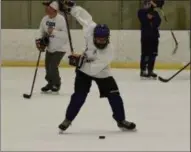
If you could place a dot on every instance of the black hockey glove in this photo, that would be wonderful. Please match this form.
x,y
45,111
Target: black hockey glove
x,y
67,5
76,60
42,43
156,3
159,3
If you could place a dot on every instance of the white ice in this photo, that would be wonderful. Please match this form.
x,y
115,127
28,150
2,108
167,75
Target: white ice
x,y
160,110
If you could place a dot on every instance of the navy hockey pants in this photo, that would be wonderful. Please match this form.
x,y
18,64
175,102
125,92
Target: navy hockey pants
x,y
107,88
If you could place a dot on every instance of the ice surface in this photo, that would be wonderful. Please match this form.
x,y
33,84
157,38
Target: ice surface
x,y
160,110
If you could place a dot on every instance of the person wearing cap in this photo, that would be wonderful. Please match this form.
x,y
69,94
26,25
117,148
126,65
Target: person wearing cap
x,y
54,25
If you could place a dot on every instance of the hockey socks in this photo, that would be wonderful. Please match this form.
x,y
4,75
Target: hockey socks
x,y
151,63
76,102
117,107
115,101
143,62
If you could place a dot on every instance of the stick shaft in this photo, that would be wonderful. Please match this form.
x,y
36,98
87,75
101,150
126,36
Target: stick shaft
x,y
35,74
68,30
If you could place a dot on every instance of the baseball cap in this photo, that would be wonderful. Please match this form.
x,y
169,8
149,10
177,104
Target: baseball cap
x,y
53,5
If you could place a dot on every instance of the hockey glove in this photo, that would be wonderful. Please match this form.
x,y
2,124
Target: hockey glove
x,y
76,60
67,5
42,43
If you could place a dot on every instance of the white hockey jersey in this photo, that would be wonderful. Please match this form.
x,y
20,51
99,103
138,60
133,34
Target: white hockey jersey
x,y
59,37
100,66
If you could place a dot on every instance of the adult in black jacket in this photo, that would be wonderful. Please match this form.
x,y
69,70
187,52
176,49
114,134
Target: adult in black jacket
x,y
150,22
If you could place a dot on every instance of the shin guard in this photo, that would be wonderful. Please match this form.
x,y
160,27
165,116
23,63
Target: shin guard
x,y
76,102
143,62
151,63
117,107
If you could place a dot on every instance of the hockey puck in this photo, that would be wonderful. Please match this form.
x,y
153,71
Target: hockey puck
x,y
101,137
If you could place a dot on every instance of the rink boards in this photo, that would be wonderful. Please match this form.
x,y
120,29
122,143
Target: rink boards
x,y
18,48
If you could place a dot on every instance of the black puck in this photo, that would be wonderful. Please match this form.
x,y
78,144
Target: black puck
x,y
101,137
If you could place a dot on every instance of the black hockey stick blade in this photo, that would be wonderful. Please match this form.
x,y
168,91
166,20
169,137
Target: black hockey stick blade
x,y
27,96
172,33
168,79
163,80
176,43
175,49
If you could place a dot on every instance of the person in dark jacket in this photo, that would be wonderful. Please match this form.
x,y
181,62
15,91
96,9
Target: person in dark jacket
x,y
150,22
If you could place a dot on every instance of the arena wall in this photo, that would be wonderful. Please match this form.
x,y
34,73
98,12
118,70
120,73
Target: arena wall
x,y
18,48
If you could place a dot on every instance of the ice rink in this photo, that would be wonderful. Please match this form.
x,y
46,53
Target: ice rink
x,y
160,110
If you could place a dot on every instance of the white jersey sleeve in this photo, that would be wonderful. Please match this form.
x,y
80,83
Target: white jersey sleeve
x,y
41,31
82,16
99,59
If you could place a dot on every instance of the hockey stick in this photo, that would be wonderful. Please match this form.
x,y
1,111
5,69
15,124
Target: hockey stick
x,y
28,96
172,33
68,30
168,79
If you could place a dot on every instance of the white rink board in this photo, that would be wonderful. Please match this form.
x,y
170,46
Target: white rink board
x,y
18,45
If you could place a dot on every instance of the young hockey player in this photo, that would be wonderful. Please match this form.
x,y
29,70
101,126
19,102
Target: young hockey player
x,y
94,67
150,22
54,26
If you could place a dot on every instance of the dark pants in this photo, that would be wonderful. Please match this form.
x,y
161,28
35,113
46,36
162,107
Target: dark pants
x,y
107,88
52,61
149,51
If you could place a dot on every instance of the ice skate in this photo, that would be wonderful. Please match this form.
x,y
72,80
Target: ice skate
x,y
55,88
64,125
46,88
126,125
144,75
152,75
50,89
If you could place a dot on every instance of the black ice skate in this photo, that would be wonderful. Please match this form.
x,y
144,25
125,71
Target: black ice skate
x,y
64,125
144,75
126,125
55,88
152,75
46,88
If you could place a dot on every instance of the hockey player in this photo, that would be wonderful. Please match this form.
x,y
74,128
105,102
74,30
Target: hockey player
x,y
95,67
150,22
53,25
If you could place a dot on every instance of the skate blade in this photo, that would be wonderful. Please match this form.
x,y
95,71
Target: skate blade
x,y
149,78
45,92
55,93
60,132
128,130
152,78
50,93
144,78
